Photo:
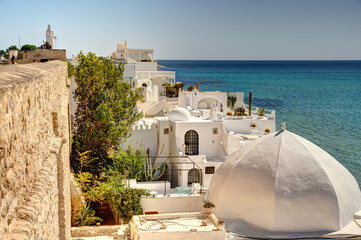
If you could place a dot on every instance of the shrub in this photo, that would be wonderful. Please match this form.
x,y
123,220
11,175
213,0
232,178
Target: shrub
x,y
4,53
12,47
267,130
261,111
125,200
229,114
231,101
208,204
28,47
240,111
253,125
137,164
190,88
91,192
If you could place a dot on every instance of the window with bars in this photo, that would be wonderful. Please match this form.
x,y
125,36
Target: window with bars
x,y
194,176
191,141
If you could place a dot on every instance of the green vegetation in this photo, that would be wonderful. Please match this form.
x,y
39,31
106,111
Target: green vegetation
x,y
261,111
12,47
231,101
240,111
4,53
208,204
91,192
137,164
28,47
190,87
125,200
178,86
106,110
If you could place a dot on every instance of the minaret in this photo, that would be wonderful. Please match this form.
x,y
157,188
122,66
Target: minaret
x,y
50,36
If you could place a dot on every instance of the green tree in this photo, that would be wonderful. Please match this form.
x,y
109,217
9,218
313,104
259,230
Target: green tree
x,y
28,47
105,112
4,53
12,47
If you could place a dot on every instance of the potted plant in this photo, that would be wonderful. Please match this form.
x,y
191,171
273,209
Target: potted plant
x,y
208,206
240,111
190,88
261,111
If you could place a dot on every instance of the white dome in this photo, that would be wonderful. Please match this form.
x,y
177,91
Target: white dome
x,y
283,186
179,114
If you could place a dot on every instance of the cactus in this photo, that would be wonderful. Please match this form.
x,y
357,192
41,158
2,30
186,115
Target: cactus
x,y
250,104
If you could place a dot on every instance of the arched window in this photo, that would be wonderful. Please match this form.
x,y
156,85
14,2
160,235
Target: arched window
x,y
192,142
194,176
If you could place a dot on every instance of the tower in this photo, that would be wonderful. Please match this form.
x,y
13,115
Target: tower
x,y
50,36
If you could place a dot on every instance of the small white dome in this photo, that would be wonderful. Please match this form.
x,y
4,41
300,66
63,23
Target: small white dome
x,y
179,114
283,186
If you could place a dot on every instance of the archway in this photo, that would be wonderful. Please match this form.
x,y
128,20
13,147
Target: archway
x,y
191,141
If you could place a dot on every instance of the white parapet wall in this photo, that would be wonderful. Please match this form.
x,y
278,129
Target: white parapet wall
x,y
179,226
173,203
161,187
243,124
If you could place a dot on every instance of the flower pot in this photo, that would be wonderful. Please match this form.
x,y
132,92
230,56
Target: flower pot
x,y
208,210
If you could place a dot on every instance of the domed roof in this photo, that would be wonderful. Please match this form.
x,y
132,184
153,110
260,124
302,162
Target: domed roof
x,y
179,114
283,186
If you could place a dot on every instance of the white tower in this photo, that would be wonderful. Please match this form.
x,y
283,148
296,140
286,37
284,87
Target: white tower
x,y
50,36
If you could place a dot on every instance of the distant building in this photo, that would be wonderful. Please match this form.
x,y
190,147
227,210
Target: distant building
x,y
49,36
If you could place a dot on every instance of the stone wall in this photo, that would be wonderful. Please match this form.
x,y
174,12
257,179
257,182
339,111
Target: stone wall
x,y
34,151
39,55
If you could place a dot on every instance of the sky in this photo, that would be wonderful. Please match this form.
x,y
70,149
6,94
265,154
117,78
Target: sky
x,y
192,29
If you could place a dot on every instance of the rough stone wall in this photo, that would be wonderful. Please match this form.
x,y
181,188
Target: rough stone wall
x,y
38,54
34,152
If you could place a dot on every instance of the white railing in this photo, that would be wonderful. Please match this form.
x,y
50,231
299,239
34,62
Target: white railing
x,y
169,75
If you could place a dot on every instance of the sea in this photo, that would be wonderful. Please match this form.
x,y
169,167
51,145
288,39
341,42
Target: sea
x,y
318,100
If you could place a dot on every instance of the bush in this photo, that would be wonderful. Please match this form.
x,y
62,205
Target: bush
x,y
229,114
12,47
190,88
208,204
4,53
267,130
28,47
240,111
137,164
125,200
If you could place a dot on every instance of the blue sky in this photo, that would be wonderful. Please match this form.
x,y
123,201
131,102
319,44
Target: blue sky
x,y
192,29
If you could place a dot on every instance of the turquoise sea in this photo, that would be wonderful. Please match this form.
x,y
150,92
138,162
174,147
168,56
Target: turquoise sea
x,y
319,100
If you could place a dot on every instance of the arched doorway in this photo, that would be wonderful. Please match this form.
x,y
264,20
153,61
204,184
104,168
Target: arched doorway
x,y
194,176
191,141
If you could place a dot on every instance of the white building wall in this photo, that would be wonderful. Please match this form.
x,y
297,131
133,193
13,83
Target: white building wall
x,y
208,142
173,204
146,66
145,135
243,125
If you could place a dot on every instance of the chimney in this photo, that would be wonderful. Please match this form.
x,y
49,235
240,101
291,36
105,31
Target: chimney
x,y
197,85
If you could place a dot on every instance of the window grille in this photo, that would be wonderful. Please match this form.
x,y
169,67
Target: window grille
x,y
194,176
192,142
